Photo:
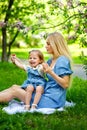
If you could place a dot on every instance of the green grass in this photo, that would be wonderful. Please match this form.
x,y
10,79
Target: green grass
x,y
76,53
74,49
74,118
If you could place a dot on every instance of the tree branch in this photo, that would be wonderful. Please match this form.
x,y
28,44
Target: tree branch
x,y
10,43
8,10
71,17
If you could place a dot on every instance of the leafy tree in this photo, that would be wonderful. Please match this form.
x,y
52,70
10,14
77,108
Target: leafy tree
x,y
34,16
73,16
17,16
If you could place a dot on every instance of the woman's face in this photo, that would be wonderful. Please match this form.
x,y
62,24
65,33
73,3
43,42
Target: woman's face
x,y
49,48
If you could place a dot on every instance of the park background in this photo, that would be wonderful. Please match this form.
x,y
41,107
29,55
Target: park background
x,y
24,25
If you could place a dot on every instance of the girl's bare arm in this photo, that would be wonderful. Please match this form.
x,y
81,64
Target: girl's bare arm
x,y
17,62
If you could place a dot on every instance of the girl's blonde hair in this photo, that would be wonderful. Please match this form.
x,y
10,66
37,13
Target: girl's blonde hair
x,y
58,45
39,53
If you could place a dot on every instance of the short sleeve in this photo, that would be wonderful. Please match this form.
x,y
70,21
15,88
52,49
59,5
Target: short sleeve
x,y
62,66
25,67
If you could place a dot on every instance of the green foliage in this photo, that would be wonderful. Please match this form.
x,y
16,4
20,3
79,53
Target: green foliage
x,y
74,118
85,64
21,19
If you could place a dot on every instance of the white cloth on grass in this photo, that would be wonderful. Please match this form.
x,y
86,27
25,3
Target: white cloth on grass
x,y
18,107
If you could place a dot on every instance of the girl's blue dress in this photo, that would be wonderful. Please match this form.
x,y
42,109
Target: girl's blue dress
x,y
54,95
34,77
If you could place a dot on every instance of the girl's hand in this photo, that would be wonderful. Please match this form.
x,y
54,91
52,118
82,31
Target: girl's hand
x,y
13,57
46,68
17,61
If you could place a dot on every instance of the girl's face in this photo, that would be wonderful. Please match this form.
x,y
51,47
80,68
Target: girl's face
x,y
49,48
34,59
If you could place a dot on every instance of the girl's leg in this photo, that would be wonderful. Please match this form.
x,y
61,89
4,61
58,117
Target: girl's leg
x,y
39,91
13,92
29,91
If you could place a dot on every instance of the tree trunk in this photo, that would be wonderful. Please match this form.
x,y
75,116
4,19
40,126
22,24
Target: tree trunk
x,y
4,56
4,45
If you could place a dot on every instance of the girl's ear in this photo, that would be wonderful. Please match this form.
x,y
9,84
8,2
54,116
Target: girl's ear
x,y
41,61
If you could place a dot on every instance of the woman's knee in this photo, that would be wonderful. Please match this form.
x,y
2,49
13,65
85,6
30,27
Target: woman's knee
x,y
14,87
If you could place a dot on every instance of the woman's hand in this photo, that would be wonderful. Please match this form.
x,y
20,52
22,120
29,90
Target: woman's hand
x,y
63,81
46,68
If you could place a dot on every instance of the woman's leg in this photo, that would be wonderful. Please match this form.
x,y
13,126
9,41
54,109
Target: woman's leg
x,y
39,91
13,92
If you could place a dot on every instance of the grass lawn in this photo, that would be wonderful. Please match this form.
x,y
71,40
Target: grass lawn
x,y
74,49
74,118
76,53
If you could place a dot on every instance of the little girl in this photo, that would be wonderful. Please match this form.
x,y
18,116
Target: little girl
x,y
36,78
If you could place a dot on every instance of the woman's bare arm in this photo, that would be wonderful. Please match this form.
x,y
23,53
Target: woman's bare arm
x,y
63,81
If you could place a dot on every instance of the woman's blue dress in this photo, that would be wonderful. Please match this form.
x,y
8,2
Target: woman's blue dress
x,y
54,95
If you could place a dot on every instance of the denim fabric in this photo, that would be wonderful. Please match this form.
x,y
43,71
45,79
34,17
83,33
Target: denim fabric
x,y
33,78
55,95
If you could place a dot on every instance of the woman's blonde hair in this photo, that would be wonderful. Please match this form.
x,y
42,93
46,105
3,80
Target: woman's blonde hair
x,y
59,47
58,44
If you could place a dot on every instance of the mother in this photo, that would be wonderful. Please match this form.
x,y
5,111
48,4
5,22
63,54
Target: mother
x,y
58,71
